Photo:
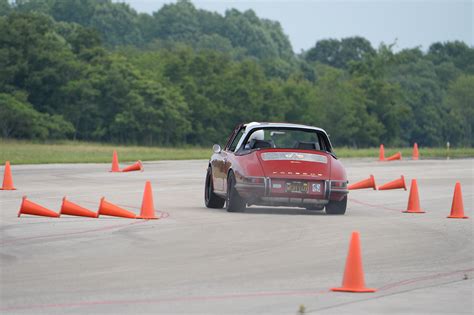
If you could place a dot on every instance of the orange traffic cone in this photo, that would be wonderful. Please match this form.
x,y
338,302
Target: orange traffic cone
x,y
415,154
413,199
107,208
148,208
115,163
457,207
395,184
366,183
71,208
137,166
381,153
396,156
28,207
7,178
353,280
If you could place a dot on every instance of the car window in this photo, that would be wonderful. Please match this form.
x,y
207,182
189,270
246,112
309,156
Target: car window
x,y
285,138
324,142
237,137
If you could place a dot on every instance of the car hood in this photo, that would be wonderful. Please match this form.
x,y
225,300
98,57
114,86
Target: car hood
x,y
298,164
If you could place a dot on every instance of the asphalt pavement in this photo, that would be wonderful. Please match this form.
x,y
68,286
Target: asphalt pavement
x,y
196,260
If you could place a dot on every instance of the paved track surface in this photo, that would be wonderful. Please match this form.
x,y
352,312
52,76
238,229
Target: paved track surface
x,y
203,261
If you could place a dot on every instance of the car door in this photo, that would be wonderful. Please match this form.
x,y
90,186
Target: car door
x,y
221,162
218,171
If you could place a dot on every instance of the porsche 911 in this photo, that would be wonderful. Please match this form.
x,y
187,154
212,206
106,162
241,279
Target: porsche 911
x,y
276,164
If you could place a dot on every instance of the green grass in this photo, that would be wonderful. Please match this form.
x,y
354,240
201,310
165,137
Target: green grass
x,y
26,152
425,153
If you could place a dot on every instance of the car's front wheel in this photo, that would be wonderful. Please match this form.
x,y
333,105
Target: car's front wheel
x,y
337,207
210,198
234,202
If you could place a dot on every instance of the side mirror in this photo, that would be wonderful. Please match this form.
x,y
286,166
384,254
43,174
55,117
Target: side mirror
x,y
216,148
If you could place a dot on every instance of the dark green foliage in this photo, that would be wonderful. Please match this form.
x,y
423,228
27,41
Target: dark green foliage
x,y
4,7
34,58
339,53
261,38
118,24
460,107
460,54
21,120
97,70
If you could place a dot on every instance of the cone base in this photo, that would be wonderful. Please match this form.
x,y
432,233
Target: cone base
x,y
382,188
456,217
115,216
13,188
51,215
352,188
146,218
359,290
92,215
411,211
39,215
390,188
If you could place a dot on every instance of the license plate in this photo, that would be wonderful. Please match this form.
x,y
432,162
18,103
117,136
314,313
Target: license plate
x,y
297,187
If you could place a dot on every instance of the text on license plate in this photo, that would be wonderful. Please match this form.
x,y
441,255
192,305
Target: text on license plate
x,y
297,187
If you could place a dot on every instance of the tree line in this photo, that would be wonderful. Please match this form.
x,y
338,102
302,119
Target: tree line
x,y
98,71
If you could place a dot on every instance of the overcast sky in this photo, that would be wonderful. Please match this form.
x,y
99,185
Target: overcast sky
x,y
409,23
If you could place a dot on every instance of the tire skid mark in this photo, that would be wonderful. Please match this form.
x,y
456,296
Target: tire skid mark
x,y
167,300
373,205
423,278
52,236
245,295
63,221
161,215
405,282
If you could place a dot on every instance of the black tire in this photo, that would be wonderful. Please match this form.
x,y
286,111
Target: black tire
x,y
234,203
337,207
210,198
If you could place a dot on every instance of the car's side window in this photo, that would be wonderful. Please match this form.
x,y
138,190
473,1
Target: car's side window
x,y
236,139
324,143
232,137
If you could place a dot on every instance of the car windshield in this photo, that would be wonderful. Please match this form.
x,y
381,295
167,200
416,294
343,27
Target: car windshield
x,y
286,138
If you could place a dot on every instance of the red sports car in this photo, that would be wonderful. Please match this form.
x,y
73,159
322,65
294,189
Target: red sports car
x,y
276,164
